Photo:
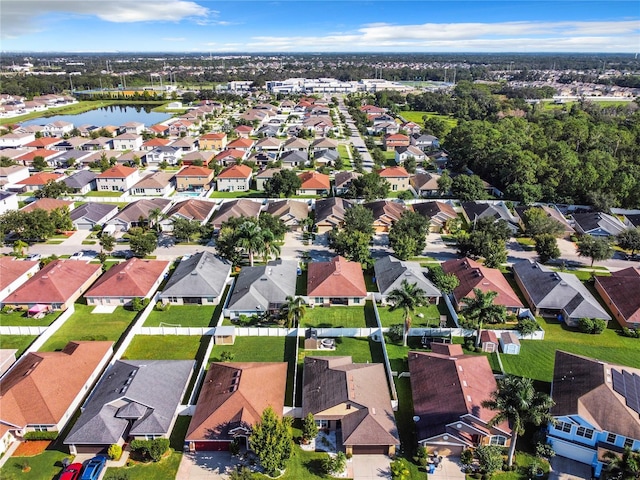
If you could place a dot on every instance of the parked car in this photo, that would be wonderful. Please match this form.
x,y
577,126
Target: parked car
x,y
71,472
93,468
34,257
76,256
126,254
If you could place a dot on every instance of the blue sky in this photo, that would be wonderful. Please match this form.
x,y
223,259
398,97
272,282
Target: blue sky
x,y
320,26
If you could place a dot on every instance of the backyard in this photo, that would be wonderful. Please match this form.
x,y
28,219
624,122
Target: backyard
x,y
430,316
19,342
19,318
84,325
44,466
416,117
164,347
338,317
185,316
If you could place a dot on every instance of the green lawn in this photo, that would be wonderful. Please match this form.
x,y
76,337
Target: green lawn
x,y
84,325
20,319
343,317
360,350
240,194
19,342
303,465
164,347
44,466
344,155
252,349
103,194
165,469
416,117
431,316
537,356
184,316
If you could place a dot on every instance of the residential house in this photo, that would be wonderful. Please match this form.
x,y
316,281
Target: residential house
x,y
194,179
135,278
48,205
596,409
90,214
598,224
552,212
234,178
318,125
325,157
16,139
336,282
156,184
264,175
236,208
13,273
71,143
295,143
392,141
263,288
323,144
13,174
200,279
190,209
117,179
557,294
136,214
230,156
213,141
243,131
342,181
134,128
154,143
397,177
294,158
169,154
424,142
269,144
352,400
185,144
57,286
160,129
385,213
425,184
263,158
314,183
373,110
100,143
411,128
620,294
127,141
293,213
391,272
329,213
383,126
58,128
135,399
472,274
81,182
232,399
404,153
8,201
43,144
49,156
499,211
242,144
32,396
71,158
448,389
196,157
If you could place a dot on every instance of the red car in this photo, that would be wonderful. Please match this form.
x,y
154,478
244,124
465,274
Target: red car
x,y
72,472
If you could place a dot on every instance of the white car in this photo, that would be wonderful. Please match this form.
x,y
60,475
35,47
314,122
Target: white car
x,y
76,256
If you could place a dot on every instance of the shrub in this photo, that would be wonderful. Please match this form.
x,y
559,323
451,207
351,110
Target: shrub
x,y
51,435
544,450
139,304
114,451
466,457
152,449
309,428
234,447
396,333
628,332
526,326
227,356
593,326
116,475
161,307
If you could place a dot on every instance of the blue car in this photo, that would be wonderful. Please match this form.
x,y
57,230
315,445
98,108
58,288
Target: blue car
x,y
93,468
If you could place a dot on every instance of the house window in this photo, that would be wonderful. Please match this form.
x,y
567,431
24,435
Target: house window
x,y
322,423
319,300
356,300
40,428
611,438
584,432
498,440
563,427
628,442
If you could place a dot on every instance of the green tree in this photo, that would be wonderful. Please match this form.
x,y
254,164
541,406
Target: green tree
x,y
155,215
309,428
517,402
445,182
272,223
468,187
185,229
408,235
353,245
241,473
538,222
629,240
436,126
597,249
249,238
526,326
547,247
226,244
359,219
271,440
407,298
410,165
489,457
400,470
294,310
61,219
107,242
143,243
479,310
282,183
39,163
446,282
369,186
19,247
52,190
622,467
269,246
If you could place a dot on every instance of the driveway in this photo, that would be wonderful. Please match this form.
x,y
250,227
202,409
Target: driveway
x,y
563,468
449,468
205,465
371,467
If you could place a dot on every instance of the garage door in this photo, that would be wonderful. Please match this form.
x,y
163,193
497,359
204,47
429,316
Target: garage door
x,y
212,446
574,452
91,449
370,449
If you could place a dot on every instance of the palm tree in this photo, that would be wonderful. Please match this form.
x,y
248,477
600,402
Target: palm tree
x,y
517,402
19,247
480,310
155,215
408,297
294,310
622,467
269,247
249,236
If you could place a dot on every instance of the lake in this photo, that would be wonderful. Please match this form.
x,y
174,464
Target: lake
x,y
112,115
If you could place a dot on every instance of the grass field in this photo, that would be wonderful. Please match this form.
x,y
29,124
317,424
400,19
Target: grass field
x,y
302,465
84,325
360,350
19,342
342,317
252,349
185,316
431,316
416,117
165,469
163,347
103,194
20,319
45,466
240,194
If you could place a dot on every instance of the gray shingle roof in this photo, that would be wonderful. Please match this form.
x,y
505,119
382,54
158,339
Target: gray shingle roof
x,y
258,287
80,179
145,391
390,272
202,275
92,211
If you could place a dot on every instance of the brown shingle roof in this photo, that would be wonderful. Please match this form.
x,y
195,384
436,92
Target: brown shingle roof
x,y
623,287
336,278
55,283
236,394
40,178
394,172
133,278
47,204
118,171
192,209
236,171
11,270
314,181
42,385
236,208
194,171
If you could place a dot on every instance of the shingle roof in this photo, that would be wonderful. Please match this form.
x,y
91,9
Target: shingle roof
x,y
344,178
192,209
333,381
623,287
314,181
230,152
33,392
92,211
143,392
155,180
432,209
258,287
236,208
588,222
235,395
336,278
285,208
386,211
80,179
133,278
118,171
201,275
236,171
141,208
390,272
330,211
12,269
47,204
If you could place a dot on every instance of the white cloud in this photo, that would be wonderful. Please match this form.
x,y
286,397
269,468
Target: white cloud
x,y
21,17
